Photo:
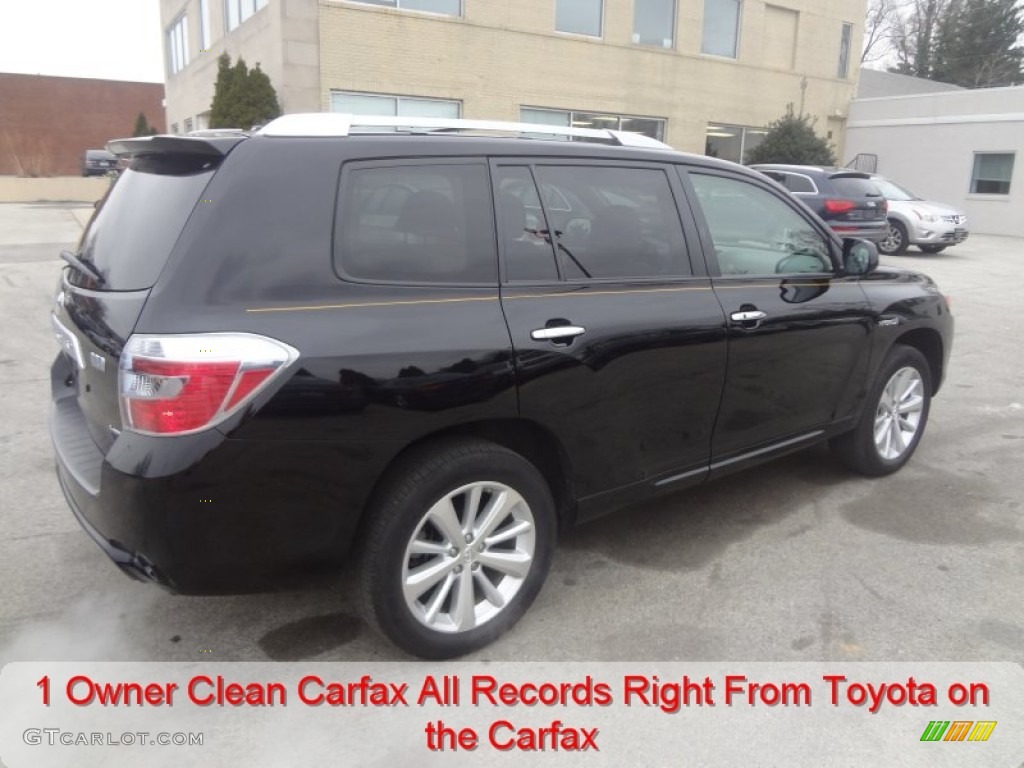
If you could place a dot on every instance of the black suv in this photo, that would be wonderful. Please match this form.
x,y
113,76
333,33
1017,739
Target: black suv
x,y
849,201
432,351
98,162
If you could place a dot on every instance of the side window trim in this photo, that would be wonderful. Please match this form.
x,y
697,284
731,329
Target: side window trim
x,y
343,185
704,231
494,165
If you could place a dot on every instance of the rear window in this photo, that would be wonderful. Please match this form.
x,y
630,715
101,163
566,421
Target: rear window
x,y
416,223
852,186
137,223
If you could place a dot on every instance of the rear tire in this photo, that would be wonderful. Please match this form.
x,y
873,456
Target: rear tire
x,y
895,241
458,546
932,248
894,416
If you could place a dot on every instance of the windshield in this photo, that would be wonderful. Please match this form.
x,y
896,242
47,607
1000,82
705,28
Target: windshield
x,y
894,191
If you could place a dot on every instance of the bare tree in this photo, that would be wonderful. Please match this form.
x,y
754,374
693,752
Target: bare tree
x,y
913,35
878,27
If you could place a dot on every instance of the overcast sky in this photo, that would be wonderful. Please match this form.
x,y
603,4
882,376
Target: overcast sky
x,y
111,39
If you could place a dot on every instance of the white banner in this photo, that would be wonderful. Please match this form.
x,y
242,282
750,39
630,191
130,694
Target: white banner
x,y
588,714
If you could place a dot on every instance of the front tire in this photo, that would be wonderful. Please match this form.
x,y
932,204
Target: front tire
x,y
894,416
458,547
896,239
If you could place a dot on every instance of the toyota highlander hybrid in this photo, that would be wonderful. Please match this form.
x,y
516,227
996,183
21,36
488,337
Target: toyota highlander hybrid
x,y
429,346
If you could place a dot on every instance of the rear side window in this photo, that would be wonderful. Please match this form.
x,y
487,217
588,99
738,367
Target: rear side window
x,y
418,223
613,222
796,182
136,225
852,186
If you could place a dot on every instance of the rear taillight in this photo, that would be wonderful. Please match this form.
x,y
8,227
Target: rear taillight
x,y
172,385
839,206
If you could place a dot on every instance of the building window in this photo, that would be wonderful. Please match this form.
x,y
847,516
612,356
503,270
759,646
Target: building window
x,y
188,125
446,7
721,27
654,22
732,142
844,52
394,106
240,10
177,45
992,173
580,17
648,126
174,127
204,26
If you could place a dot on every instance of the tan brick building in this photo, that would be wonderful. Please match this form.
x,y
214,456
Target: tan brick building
x,y
704,75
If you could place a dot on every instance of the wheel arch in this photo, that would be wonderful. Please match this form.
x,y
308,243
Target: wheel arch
x,y
901,217
527,438
928,342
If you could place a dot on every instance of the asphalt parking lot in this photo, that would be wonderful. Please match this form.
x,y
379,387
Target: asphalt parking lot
x,y
796,560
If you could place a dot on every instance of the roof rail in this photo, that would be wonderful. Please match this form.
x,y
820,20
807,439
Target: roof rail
x,y
338,124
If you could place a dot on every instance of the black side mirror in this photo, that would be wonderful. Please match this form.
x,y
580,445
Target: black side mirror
x,y
860,257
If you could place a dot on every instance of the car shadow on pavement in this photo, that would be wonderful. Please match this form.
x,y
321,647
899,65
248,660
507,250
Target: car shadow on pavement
x,y
690,529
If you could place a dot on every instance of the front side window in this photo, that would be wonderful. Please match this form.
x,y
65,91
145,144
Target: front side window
x,y
421,223
604,222
177,45
721,27
447,7
756,233
992,173
581,17
394,106
844,51
654,22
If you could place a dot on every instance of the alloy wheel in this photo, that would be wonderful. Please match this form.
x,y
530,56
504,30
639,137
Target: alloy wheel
x,y
468,557
892,241
898,416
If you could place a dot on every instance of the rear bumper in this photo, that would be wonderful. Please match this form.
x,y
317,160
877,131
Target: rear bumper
x,y
207,516
133,565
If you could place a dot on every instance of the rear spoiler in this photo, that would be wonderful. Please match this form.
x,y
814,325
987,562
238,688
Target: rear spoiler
x,y
849,175
205,146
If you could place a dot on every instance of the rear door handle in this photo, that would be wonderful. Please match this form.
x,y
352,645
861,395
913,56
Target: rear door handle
x,y
557,333
749,316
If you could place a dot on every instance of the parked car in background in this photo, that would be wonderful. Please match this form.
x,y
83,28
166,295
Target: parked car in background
x,y
98,162
848,201
932,227
281,350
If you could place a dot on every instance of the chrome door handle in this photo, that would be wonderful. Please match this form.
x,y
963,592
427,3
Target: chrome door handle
x,y
748,316
557,333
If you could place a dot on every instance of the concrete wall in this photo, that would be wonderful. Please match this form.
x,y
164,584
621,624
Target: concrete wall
x,y
47,123
55,189
927,143
500,56
282,38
